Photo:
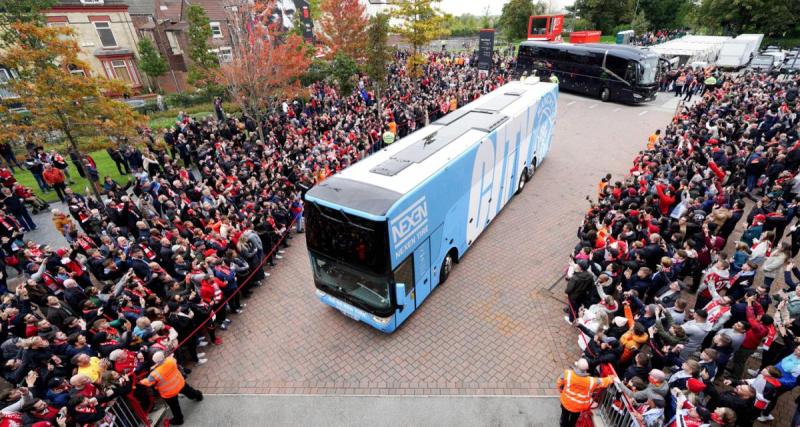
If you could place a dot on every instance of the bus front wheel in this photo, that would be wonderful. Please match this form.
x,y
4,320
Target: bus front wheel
x,y
605,94
521,183
447,267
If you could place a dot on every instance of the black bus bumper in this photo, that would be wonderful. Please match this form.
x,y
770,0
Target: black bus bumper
x,y
644,96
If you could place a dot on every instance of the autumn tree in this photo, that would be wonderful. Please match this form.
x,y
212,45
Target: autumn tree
x,y
265,67
13,11
342,28
204,62
378,54
74,105
419,23
150,61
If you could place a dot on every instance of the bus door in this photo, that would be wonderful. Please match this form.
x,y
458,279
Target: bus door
x,y
404,273
422,271
414,274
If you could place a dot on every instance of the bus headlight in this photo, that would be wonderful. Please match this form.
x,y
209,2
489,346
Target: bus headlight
x,y
320,293
383,321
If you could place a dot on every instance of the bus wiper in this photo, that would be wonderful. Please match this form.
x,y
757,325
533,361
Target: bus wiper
x,y
351,223
361,285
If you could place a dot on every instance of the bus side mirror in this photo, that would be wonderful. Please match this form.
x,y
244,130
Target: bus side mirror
x,y
400,293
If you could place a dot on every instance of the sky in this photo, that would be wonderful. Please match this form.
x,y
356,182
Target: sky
x,y
477,7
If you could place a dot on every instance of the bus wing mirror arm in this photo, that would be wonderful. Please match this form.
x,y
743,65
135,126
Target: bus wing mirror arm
x,y
400,293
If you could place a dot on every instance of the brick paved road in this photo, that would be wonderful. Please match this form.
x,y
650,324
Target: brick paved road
x,y
492,329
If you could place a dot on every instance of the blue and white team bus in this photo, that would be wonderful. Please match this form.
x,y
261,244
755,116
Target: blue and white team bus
x,y
386,231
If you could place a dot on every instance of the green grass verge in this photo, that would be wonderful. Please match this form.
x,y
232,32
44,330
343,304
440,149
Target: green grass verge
x,y
608,39
105,167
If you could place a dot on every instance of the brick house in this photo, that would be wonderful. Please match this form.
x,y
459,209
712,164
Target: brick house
x,y
221,42
160,21
106,36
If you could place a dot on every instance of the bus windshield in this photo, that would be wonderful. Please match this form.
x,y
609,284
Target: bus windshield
x,y
369,289
648,71
349,254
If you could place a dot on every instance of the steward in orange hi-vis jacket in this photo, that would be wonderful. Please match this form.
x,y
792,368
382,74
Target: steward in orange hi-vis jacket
x,y
576,387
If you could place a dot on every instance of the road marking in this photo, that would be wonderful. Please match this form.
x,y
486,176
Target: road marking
x,y
643,113
617,109
571,103
593,105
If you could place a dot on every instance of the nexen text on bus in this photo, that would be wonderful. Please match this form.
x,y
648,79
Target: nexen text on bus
x,y
407,229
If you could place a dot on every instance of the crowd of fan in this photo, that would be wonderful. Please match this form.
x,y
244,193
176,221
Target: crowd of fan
x,y
657,290
655,37
160,265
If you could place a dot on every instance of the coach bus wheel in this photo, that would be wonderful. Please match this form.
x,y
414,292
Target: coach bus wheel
x,y
605,94
529,172
521,183
447,267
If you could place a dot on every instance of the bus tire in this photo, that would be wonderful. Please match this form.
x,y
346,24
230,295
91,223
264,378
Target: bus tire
x,y
447,267
522,180
531,171
605,94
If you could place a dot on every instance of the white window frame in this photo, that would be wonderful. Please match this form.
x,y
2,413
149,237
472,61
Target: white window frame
x,y
225,54
93,2
76,71
6,76
105,28
120,63
111,70
216,29
174,43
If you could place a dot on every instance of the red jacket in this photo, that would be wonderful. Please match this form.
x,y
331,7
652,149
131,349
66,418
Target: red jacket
x,y
664,201
53,176
757,331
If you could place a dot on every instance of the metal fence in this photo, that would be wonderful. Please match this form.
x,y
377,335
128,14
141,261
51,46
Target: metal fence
x,y
615,409
120,414
613,406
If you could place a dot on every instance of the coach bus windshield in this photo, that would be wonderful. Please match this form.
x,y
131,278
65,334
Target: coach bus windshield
x,y
349,256
648,71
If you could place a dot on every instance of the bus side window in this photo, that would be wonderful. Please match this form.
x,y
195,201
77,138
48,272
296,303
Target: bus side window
x,y
404,273
630,72
616,65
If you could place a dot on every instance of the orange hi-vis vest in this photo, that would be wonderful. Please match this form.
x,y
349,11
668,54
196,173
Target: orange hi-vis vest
x,y
166,378
576,390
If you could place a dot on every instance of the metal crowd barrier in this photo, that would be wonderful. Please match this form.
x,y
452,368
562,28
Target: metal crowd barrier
x,y
613,406
120,414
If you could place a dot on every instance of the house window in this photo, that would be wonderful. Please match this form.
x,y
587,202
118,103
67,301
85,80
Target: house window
x,y
174,45
121,71
73,69
216,30
225,54
106,36
5,76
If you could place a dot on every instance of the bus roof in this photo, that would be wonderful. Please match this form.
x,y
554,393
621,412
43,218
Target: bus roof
x,y
374,184
622,51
